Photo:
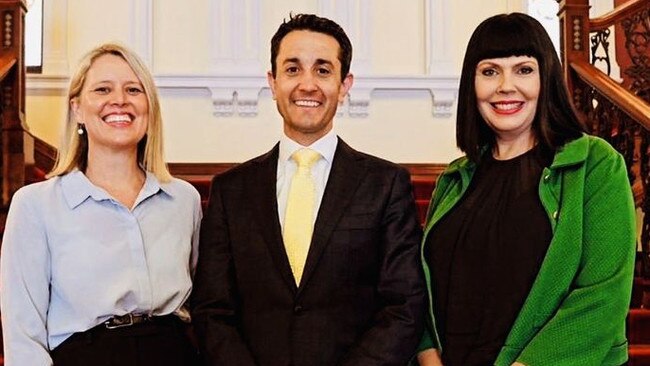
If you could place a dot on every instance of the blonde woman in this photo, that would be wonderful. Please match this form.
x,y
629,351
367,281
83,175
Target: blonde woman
x,y
97,261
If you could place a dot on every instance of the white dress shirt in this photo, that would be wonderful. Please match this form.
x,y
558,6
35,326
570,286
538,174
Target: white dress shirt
x,y
72,257
326,146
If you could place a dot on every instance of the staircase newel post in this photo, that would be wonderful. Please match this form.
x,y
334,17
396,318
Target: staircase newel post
x,y
574,45
12,98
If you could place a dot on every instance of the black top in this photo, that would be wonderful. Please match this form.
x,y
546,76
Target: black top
x,y
484,256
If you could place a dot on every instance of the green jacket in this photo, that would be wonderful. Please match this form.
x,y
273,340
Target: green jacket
x,y
575,311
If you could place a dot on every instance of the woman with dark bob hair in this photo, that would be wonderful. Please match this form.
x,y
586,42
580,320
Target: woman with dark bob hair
x,y
530,238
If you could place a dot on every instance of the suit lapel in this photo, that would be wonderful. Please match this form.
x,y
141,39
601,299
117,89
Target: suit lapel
x,y
264,196
345,176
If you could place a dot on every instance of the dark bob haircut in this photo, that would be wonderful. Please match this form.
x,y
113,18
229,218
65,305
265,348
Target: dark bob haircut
x,y
515,34
313,23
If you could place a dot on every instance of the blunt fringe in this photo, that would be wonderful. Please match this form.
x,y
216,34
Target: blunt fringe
x,y
506,35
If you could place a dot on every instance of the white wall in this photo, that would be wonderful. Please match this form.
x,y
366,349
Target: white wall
x,y
407,57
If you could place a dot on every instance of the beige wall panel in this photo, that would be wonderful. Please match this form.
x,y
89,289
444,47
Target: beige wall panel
x,y
45,115
398,39
91,23
181,36
402,129
227,139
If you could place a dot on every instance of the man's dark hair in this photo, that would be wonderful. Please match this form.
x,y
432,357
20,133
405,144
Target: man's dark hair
x,y
506,35
313,23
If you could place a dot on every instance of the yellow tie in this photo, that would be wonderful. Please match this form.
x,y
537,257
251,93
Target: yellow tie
x,y
299,217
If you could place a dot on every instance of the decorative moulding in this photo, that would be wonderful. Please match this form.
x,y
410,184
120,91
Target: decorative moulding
x,y
52,84
239,95
443,90
235,82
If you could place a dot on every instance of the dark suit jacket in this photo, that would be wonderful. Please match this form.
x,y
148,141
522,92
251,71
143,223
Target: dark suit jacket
x,y
361,299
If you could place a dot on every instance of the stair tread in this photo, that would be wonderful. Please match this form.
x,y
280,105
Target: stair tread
x,y
640,312
639,355
642,283
638,326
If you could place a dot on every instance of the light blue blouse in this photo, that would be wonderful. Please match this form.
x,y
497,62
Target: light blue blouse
x,y
72,257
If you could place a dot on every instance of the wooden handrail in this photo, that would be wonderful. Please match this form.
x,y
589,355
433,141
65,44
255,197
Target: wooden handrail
x,y
629,103
620,12
6,63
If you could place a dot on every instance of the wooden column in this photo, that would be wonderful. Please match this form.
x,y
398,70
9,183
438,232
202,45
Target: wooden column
x,y
12,96
574,42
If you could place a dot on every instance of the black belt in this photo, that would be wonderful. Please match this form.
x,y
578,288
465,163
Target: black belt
x,y
127,320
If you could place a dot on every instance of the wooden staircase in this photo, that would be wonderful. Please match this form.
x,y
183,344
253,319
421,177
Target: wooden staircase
x,y
639,336
620,113
638,324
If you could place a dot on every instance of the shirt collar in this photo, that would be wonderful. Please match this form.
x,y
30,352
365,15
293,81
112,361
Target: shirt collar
x,y
77,188
326,146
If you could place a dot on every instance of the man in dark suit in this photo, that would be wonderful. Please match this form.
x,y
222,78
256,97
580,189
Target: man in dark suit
x,y
352,293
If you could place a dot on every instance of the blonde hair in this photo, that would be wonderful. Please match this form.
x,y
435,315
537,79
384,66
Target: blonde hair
x,y
73,152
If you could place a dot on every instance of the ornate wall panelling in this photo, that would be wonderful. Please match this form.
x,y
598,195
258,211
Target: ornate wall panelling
x,y
354,16
235,40
237,73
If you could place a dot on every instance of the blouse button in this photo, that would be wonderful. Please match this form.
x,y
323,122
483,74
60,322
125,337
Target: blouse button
x,y
556,215
547,177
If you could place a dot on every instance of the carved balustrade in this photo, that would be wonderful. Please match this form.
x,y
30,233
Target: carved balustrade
x,y
616,108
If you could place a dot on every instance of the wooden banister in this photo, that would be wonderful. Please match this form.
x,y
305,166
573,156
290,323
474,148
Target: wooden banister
x,y
615,16
632,105
6,64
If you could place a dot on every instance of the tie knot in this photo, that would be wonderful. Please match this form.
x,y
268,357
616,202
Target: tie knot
x,y
305,158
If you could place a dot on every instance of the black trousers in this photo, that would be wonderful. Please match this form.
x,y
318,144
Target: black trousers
x,y
162,342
